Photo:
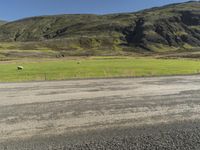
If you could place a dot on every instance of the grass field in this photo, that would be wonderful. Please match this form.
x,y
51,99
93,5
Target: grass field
x,y
95,67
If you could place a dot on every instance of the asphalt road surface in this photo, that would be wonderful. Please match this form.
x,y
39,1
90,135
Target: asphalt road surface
x,y
129,113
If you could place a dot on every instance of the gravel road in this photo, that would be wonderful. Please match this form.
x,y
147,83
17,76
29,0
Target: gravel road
x,y
126,113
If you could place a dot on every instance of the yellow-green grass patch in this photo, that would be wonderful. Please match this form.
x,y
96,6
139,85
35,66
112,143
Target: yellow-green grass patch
x,y
96,68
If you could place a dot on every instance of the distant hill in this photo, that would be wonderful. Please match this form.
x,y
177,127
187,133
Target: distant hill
x,y
2,22
161,29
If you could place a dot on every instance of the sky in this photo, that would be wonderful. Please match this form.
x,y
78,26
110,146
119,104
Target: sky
x,y
17,9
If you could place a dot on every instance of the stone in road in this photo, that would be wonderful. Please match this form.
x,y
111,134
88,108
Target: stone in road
x,y
127,113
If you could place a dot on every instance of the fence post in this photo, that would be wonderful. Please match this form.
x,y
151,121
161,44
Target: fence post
x,y
45,76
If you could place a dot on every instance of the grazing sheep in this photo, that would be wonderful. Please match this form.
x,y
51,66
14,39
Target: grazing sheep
x,y
20,67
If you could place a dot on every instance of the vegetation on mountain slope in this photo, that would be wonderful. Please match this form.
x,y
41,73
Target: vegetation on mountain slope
x,y
170,28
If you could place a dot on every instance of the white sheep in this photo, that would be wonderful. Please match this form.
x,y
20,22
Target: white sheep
x,y
20,67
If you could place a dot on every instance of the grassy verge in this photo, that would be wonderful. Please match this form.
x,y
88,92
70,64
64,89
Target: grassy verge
x,y
96,67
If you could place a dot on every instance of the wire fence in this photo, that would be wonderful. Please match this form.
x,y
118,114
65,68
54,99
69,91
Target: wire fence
x,y
24,76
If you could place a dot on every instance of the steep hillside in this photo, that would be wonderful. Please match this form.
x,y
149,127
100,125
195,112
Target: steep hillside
x,y
162,29
175,26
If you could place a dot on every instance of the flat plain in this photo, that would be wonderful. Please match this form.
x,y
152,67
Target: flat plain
x,y
126,113
94,67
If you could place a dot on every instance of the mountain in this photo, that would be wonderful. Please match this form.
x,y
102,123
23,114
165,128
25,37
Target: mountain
x,y
169,28
2,22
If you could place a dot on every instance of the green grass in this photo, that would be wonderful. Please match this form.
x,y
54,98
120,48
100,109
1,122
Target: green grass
x,y
96,67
